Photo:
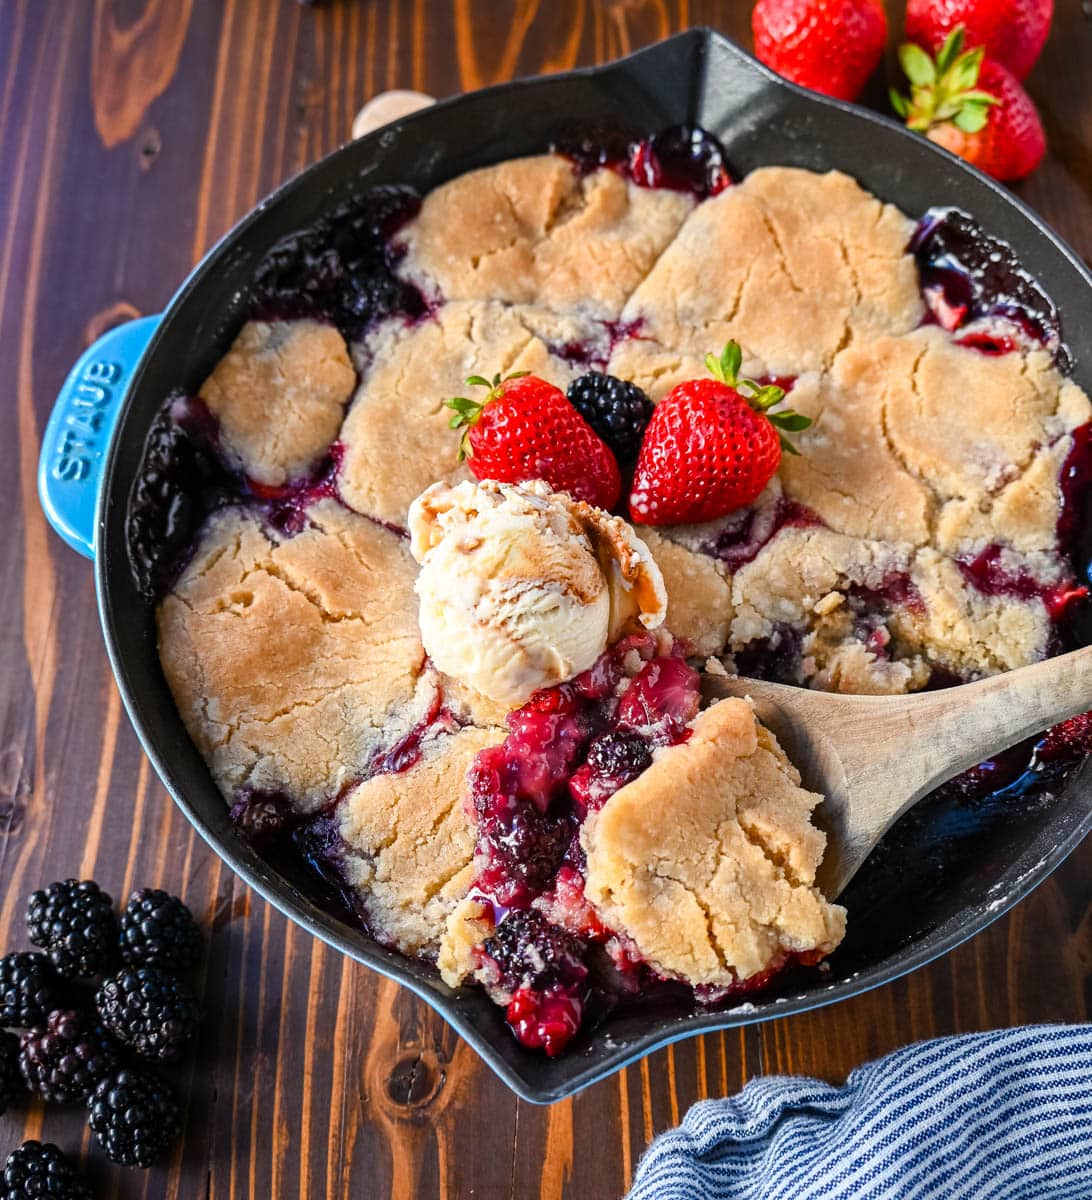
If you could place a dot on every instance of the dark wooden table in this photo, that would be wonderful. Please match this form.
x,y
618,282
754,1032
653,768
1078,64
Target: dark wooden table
x,y
133,133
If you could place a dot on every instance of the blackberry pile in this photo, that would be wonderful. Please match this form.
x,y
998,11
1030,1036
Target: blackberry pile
x,y
39,1169
101,998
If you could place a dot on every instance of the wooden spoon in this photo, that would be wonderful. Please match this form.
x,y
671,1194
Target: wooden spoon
x,y
874,757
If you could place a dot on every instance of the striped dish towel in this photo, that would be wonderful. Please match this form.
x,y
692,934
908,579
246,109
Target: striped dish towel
x,y
988,1116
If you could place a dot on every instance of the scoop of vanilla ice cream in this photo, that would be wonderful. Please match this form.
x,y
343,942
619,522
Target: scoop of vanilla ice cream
x,y
522,587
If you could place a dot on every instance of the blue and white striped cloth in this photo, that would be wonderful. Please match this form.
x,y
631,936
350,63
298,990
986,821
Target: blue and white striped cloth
x,y
988,1116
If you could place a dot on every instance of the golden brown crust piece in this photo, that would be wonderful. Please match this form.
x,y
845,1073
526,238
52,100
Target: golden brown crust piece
x,y
791,264
707,860
279,395
293,661
533,231
699,594
917,439
410,842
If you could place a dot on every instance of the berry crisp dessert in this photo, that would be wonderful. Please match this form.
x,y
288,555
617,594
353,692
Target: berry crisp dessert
x,y
488,481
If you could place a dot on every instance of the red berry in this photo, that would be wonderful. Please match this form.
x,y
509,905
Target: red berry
x,y
1012,32
710,447
527,429
830,46
1011,144
973,107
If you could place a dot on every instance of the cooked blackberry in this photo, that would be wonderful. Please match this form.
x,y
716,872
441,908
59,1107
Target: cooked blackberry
x,y
342,266
158,930
615,408
29,988
527,846
530,952
149,1011
66,1057
182,480
11,1082
261,816
74,924
135,1117
39,1171
620,754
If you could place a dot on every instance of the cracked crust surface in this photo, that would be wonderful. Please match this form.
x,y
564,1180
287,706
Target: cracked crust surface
x,y
397,435
294,660
279,395
791,264
919,439
533,231
708,859
409,842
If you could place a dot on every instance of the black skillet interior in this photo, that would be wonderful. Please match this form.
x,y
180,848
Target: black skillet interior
x,y
940,880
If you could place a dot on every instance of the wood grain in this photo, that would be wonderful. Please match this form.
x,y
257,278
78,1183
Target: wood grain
x,y
133,133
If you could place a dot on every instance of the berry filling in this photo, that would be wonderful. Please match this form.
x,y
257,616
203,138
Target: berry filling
x,y
747,531
182,480
973,281
683,158
341,268
1075,516
262,816
989,574
568,750
286,505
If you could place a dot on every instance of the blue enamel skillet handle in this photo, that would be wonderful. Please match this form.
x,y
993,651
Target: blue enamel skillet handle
x,y
80,428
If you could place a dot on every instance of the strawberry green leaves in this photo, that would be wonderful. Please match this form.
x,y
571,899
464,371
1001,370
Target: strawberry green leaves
x,y
761,397
944,88
467,411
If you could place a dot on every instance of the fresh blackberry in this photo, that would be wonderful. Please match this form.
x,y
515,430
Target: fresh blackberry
x,y
74,924
28,988
616,409
65,1058
149,1011
158,930
39,1171
11,1082
135,1117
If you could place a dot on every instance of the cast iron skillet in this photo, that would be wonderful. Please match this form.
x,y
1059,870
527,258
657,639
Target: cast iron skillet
x,y
939,882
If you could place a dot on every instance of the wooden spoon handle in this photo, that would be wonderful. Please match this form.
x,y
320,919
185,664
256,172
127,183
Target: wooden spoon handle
x,y
956,728
918,743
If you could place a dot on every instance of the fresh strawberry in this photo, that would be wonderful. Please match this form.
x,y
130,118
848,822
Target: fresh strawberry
x,y
972,106
712,445
1012,32
830,46
525,428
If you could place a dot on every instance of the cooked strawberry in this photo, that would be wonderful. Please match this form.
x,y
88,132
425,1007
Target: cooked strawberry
x,y
830,46
972,106
525,428
1012,32
711,447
